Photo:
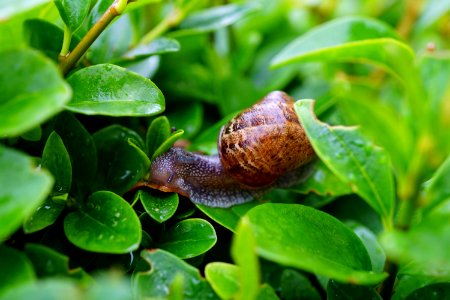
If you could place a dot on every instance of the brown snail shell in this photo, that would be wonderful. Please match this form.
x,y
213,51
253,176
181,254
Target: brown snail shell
x,y
264,142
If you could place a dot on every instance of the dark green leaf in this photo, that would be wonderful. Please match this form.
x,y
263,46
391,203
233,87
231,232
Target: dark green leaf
x,y
435,291
56,159
157,133
33,135
22,188
81,148
187,117
156,282
44,215
160,206
73,12
111,90
353,158
159,46
47,37
223,278
214,18
228,217
15,269
322,182
295,285
112,43
189,238
32,91
243,252
120,165
49,263
167,143
306,238
339,291
106,223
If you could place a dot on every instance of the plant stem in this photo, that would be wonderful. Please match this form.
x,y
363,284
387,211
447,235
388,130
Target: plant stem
x,y
66,42
173,19
67,62
407,22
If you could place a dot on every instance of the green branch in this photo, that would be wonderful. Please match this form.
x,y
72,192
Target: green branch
x,y
67,62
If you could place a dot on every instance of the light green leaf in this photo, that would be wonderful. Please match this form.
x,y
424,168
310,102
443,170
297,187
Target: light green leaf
x,y
22,188
167,143
223,278
106,223
10,8
32,91
157,133
353,158
214,18
243,252
438,189
311,240
113,91
189,238
159,46
48,289
15,269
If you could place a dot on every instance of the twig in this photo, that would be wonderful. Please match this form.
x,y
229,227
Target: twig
x,y
67,62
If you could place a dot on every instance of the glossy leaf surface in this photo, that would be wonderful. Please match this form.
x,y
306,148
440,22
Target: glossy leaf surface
x,y
73,12
159,206
353,158
22,188
189,238
32,91
223,278
106,223
113,91
312,241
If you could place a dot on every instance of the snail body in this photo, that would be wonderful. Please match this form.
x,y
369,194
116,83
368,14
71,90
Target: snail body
x,y
263,147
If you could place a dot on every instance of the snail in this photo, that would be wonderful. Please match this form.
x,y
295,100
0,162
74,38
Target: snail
x,y
264,146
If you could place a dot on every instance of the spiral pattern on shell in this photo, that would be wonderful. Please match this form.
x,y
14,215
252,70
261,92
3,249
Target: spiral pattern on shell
x,y
264,142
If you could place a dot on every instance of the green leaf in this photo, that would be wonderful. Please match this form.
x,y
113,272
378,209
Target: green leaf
x,y
160,206
15,269
435,291
113,91
243,252
84,162
10,8
32,91
56,159
49,289
223,278
189,238
112,43
157,133
73,12
214,18
164,267
339,291
438,190
167,143
106,223
187,117
266,292
308,239
419,244
228,217
354,159
295,285
120,165
322,182
33,135
49,263
22,188
159,46
46,37
45,215
343,39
